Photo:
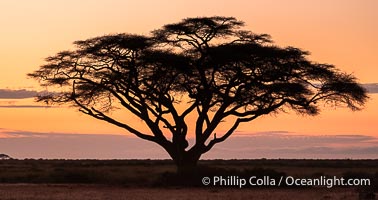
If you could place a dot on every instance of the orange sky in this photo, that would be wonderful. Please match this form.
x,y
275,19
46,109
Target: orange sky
x,y
340,32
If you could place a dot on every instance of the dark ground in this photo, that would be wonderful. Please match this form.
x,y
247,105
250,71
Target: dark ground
x,y
148,179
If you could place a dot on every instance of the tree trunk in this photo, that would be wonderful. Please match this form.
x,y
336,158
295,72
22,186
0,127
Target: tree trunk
x,y
186,163
187,170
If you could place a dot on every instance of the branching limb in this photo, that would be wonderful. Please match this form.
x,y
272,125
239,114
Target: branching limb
x,y
101,116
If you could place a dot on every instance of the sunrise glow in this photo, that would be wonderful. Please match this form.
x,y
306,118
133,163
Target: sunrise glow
x,y
339,32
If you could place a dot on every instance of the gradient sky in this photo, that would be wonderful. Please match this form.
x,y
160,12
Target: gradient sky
x,y
340,32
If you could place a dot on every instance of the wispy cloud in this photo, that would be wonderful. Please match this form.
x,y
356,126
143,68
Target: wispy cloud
x,y
24,144
279,144
371,87
24,106
24,93
292,145
20,99
17,94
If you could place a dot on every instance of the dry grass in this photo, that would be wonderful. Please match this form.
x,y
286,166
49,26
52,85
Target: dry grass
x,y
141,173
97,192
152,179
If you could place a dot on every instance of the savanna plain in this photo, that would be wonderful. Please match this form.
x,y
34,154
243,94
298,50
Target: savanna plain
x,y
156,179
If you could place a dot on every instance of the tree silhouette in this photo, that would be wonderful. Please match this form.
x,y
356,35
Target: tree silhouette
x,y
207,64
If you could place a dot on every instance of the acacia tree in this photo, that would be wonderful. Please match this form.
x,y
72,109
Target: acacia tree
x,y
208,64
